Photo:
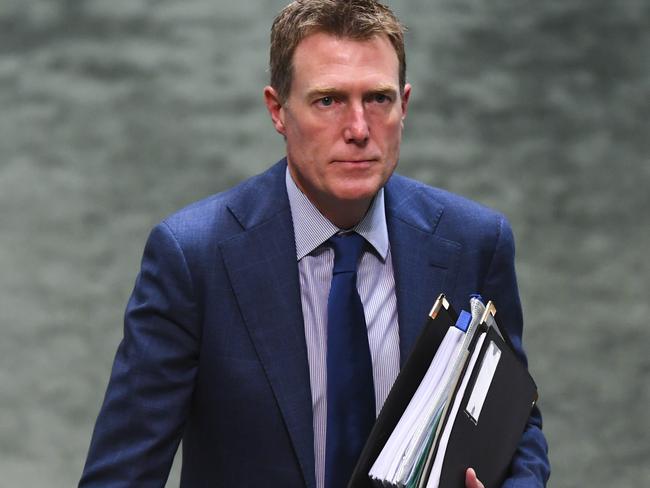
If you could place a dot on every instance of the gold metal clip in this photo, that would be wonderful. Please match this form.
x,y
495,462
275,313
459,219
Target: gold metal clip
x,y
490,309
441,301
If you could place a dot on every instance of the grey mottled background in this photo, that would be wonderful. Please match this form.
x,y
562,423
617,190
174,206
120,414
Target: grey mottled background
x,y
115,113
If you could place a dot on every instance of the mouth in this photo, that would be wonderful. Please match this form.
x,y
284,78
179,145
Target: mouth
x,y
355,161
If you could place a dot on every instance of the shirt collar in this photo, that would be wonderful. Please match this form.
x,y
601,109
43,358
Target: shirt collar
x,y
311,228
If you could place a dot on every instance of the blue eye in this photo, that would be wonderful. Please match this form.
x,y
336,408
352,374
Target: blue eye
x,y
326,101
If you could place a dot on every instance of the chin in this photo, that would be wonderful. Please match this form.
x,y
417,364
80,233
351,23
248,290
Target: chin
x,y
357,191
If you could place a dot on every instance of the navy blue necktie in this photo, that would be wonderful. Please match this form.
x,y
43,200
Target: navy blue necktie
x,y
350,388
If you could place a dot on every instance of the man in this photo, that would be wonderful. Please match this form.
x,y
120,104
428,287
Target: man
x,y
227,343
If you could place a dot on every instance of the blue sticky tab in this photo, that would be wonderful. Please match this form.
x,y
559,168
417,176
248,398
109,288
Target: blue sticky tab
x,y
463,320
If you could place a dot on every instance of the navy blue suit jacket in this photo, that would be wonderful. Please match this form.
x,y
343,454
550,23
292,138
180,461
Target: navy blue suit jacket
x,y
214,347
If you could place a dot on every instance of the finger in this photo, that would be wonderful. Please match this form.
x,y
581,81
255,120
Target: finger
x,y
471,480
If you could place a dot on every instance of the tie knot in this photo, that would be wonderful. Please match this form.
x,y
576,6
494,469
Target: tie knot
x,y
347,251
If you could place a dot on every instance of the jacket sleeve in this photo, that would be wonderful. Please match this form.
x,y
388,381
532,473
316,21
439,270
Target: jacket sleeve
x,y
530,466
142,418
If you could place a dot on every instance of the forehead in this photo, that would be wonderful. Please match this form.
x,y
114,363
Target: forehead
x,y
322,58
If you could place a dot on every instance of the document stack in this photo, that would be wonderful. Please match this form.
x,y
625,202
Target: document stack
x,y
464,406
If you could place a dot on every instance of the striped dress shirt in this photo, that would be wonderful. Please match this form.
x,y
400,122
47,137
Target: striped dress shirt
x,y
376,286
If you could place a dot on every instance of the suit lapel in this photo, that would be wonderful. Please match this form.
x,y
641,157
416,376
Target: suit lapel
x,y
262,267
424,264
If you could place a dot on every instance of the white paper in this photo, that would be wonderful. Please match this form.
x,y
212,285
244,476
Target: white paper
x,y
434,477
483,382
406,444
418,411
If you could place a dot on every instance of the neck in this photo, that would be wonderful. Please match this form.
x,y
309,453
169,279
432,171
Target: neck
x,y
347,214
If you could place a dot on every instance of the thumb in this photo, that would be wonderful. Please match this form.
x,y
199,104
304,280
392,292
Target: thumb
x,y
471,480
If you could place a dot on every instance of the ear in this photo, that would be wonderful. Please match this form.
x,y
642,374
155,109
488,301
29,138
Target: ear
x,y
405,101
275,108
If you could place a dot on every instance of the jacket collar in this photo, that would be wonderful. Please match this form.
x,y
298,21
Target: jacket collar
x,y
261,264
424,264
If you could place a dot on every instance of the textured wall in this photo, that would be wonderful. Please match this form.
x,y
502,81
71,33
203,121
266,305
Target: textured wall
x,y
115,113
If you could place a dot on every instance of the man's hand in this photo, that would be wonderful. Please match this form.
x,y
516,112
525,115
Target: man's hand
x,y
471,481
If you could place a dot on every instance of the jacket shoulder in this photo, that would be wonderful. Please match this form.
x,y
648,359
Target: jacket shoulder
x,y
456,215
225,214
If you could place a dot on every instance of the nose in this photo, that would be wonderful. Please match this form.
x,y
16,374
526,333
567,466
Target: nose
x,y
356,130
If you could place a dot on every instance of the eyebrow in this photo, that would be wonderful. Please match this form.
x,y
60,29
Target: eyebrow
x,y
323,92
386,89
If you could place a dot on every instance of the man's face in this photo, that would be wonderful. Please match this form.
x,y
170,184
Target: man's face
x,y
342,119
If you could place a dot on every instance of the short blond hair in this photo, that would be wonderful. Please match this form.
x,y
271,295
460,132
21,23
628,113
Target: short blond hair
x,y
353,19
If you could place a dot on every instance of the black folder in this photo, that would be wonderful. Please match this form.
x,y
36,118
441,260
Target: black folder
x,y
487,444
441,317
